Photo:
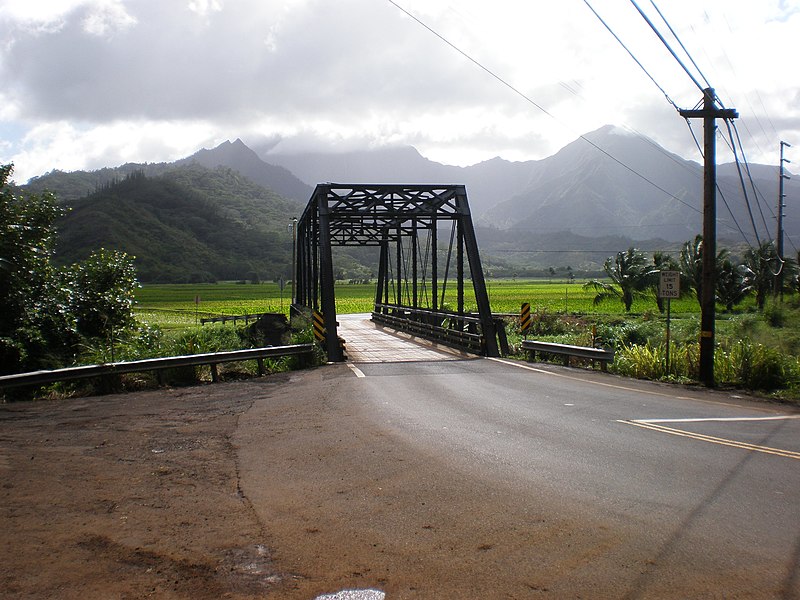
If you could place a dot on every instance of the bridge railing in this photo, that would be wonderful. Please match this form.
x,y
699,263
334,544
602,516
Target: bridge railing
x,y
452,329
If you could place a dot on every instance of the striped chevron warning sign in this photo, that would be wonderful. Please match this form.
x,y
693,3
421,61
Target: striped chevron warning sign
x,y
525,317
319,326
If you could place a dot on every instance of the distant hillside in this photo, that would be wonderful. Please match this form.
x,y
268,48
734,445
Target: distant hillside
x,y
189,224
618,183
575,208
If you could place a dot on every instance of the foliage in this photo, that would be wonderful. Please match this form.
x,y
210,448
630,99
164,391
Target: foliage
x,y
47,313
732,283
691,266
630,277
100,292
29,324
188,224
741,363
762,265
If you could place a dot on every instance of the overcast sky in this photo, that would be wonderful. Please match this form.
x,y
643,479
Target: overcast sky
x,y
92,83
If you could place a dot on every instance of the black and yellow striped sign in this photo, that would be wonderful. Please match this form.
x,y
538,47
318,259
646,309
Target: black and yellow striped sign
x,y
525,317
319,326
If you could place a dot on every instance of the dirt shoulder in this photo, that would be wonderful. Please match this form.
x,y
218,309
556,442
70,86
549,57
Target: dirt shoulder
x,y
130,496
287,487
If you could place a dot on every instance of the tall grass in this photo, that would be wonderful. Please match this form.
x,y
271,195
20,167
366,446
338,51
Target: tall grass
x,y
740,363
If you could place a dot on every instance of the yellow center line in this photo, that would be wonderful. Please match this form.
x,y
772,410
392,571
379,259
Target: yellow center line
x,y
714,440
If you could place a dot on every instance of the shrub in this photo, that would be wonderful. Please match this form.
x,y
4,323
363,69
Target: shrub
x,y
775,316
760,367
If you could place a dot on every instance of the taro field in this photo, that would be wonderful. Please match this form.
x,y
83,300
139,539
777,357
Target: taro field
x,y
182,305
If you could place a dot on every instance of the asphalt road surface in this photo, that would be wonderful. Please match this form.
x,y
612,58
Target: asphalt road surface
x,y
490,478
413,472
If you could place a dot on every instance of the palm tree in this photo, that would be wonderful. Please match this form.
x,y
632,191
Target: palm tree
x,y
732,284
762,265
691,265
630,277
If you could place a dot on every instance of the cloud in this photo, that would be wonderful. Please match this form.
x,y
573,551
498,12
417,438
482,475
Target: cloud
x,y
523,79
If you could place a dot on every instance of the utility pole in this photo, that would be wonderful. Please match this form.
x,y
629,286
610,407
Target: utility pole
x,y
709,113
779,236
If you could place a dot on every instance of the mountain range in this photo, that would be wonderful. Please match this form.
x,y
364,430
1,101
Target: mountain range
x,y
607,182
222,213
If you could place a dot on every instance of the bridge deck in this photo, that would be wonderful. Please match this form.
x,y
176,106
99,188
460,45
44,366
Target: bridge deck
x,y
367,342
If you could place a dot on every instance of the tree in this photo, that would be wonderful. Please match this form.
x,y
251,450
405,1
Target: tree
x,y
762,265
691,265
27,243
101,293
630,277
732,284
46,312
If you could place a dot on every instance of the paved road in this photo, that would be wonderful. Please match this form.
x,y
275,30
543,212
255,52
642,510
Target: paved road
x,y
658,491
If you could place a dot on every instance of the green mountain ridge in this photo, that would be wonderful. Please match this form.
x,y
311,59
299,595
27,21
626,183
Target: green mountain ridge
x,y
189,224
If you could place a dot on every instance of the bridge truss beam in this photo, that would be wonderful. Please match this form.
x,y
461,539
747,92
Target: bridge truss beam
x,y
404,222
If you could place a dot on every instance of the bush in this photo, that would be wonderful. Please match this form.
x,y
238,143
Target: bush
x,y
775,316
763,368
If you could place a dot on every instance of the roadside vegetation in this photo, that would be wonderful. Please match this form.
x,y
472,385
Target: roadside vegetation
x,y
95,311
83,313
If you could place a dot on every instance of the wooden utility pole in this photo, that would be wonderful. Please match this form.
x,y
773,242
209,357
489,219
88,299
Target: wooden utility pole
x,y
779,237
709,113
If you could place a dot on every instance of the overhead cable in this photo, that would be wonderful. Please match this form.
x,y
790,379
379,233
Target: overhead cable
x,y
534,103
636,60
675,35
667,46
719,190
741,180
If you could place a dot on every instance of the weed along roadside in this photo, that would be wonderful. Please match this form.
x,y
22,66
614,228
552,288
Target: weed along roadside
x,y
756,350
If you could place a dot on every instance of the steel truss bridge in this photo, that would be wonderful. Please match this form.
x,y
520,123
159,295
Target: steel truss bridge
x,y
427,247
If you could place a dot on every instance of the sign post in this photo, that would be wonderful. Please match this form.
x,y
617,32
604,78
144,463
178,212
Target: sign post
x,y
669,287
196,307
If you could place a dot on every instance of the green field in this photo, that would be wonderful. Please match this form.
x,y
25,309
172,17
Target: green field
x,y
174,305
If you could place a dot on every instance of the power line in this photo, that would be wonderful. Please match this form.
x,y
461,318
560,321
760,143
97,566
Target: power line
x,y
719,189
750,177
667,46
738,164
733,144
636,60
534,103
675,35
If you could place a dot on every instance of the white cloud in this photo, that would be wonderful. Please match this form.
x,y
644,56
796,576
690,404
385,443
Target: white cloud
x,y
361,72
107,17
68,147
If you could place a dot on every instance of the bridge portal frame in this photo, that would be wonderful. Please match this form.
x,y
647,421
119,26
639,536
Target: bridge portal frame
x,y
393,217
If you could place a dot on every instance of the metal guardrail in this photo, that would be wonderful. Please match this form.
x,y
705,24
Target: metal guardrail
x,y
234,318
602,355
155,364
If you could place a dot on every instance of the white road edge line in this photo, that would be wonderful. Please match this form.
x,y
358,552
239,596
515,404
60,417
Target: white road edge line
x,y
717,419
618,387
358,372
